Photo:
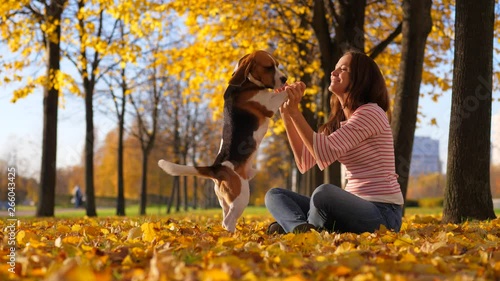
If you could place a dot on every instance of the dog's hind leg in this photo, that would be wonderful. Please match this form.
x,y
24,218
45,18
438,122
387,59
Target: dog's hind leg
x,y
222,202
236,208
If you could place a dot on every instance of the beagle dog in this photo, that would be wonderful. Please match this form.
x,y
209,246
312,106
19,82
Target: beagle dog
x,y
249,103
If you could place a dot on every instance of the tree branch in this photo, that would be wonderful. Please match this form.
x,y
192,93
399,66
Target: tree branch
x,y
377,50
335,15
95,63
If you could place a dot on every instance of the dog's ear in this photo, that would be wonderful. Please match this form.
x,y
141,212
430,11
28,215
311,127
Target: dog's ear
x,y
241,73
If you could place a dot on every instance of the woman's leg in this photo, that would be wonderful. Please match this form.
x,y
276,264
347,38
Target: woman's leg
x,y
288,208
333,208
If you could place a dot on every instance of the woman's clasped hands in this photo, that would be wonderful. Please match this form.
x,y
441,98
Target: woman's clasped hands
x,y
295,92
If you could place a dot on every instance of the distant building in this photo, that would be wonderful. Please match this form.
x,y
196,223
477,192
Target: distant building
x,y
425,156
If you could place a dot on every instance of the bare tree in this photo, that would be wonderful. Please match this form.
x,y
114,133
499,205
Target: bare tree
x,y
119,102
119,80
146,103
120,111
88,61
175,193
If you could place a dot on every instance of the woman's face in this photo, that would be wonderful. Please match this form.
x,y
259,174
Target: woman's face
x,y
340,76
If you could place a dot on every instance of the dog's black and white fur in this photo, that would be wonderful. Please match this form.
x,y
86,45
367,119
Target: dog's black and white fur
x,y
249,103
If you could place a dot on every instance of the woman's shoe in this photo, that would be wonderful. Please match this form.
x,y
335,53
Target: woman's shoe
x,y
302,228
275,228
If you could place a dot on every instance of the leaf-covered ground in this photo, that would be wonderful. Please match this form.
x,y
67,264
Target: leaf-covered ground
x,y
195,247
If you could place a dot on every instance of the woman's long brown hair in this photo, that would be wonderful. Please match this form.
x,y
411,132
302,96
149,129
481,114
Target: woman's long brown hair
x,y
366,85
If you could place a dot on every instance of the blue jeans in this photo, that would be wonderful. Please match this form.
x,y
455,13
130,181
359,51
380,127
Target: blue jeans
x,y
331,208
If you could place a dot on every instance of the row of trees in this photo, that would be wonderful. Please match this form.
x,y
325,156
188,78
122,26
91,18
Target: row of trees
x,y
198,192
143,54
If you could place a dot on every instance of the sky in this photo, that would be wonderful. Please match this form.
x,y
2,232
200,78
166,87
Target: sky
x,y
21,136
22,125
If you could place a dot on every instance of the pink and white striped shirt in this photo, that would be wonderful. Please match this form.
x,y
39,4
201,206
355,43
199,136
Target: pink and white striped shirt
x,y
364,145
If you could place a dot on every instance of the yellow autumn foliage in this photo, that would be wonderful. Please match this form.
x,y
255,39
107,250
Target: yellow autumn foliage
x,y
196,247
201,41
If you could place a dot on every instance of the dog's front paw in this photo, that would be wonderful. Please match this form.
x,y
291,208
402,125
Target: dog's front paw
x,y
251,173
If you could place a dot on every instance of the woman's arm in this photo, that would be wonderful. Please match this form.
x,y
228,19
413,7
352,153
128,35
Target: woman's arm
x,y
303,158
302,132
367,121
293,137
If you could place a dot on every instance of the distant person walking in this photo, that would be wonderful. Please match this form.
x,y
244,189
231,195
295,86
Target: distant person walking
x,y
77,196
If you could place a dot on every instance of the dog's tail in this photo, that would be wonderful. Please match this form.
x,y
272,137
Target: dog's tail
x,y
217,172
177,170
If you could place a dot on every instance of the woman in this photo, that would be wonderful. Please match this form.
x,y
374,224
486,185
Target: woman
x,y
359,136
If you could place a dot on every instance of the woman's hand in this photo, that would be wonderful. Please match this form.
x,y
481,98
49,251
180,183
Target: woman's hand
x,y
295,92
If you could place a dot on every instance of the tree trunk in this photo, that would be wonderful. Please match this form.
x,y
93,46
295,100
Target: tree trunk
x,y
349,34
467,192
195,179
175,187
120,201
417,24
328,50
147,147
46,198
89,153
177,144
147,135
185,191
144,181
178,197
88,85
195,194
